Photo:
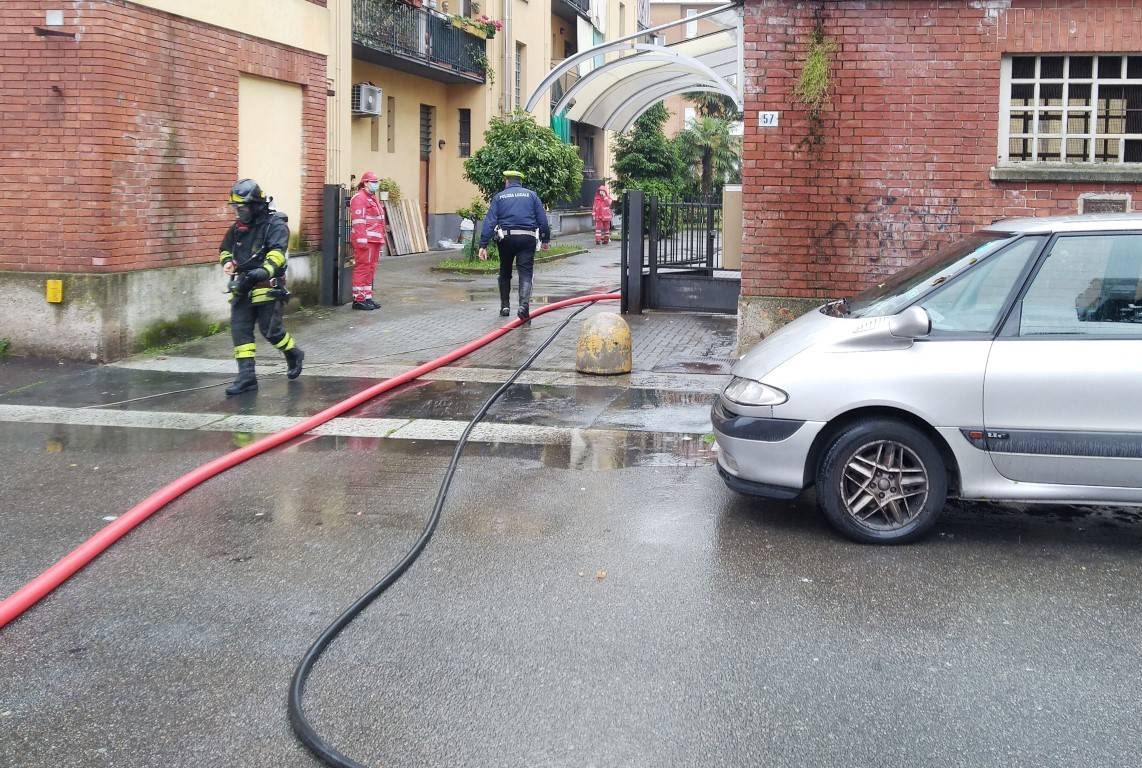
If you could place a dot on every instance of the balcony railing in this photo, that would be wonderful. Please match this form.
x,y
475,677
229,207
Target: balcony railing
x,y
420,37
563,84
582,6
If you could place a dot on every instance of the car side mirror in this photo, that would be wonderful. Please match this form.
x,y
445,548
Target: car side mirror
x,y
912,323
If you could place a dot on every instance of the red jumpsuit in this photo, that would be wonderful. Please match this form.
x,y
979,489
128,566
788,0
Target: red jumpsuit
x,y
367,235
602,215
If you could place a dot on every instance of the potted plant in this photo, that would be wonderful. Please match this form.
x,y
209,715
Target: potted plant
x,y
388,189
482,27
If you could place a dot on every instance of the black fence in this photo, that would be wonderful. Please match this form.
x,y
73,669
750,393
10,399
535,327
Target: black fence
x,y
685,234
336,274
671,257
419,35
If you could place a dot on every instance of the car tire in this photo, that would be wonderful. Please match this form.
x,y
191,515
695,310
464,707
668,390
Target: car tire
x,y
889,466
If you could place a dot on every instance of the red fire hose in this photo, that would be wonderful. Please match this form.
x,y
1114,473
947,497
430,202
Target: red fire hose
x,y
31,593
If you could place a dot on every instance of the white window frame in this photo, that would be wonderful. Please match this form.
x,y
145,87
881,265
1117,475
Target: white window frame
x,y
1093,136
691,26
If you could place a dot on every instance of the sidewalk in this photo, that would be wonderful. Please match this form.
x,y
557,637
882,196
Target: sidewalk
x,y
679,362
425,314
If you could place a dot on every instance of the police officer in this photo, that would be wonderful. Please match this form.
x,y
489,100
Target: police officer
x,y
253,255
518,222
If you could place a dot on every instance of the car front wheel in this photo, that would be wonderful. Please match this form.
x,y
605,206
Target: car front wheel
x,y
882,482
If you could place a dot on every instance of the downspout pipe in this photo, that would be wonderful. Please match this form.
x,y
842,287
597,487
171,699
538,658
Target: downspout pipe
x,y
508,77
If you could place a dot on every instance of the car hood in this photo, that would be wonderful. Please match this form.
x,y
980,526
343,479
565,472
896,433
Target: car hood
x,y
825,332
782,345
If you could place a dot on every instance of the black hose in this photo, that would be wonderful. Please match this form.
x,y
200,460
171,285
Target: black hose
x,y
298,721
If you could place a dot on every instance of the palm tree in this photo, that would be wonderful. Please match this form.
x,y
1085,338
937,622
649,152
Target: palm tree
x,y
714,105
709,144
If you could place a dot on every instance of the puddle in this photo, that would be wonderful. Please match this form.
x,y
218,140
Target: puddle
x,y
711,366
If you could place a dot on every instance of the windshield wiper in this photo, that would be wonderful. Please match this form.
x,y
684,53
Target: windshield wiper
x,y
837,308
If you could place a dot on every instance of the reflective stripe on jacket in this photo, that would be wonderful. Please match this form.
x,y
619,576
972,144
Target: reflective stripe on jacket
x,y
261,243
367,220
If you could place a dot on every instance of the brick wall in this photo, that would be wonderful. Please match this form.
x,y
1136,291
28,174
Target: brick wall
x,y
908,138
118,147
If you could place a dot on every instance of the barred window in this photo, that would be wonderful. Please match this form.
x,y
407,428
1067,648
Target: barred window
x,y
1074,109
465,133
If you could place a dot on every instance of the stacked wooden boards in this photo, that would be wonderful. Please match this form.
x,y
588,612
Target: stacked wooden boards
x,y
405,227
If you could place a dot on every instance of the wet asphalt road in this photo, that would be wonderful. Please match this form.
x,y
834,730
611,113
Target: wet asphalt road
x,y
611,614
598,601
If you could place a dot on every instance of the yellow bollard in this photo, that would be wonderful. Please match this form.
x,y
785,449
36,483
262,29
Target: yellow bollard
x,y
604,345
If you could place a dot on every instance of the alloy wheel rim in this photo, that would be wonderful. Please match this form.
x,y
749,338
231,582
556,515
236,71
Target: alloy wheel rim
x,y
884,485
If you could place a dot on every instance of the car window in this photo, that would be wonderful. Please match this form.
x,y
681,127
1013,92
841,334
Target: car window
x,y
1089,285
906,286
972,302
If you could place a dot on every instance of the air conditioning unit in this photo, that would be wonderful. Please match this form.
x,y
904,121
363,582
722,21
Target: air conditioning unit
x,y
366,99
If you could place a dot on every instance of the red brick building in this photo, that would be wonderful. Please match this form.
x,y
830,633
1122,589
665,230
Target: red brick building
x,y
942,116
119,140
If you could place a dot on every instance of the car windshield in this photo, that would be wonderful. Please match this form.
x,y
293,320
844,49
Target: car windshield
x,y
905,287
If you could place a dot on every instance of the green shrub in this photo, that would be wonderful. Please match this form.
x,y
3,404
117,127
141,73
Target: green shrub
x,y
517,143
390,186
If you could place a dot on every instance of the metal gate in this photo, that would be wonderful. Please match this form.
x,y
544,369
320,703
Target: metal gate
x,y
672,257
336,274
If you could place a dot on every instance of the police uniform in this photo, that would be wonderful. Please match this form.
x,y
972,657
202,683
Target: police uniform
x,y
518,222
257,248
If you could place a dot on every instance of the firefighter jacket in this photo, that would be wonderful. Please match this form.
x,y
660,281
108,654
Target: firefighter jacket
x,y
262,244
367,217
515,208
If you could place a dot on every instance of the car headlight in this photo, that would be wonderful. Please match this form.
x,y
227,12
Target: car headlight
x,y
750,392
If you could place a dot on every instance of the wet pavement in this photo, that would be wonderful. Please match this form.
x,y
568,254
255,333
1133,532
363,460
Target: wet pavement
x,y
594,595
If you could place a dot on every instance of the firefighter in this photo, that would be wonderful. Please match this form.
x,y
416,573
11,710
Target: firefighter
x,y
253,256
368,236
518,222
601,211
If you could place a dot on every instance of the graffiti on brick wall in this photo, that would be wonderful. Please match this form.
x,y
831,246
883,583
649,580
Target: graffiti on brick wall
x,y
883,231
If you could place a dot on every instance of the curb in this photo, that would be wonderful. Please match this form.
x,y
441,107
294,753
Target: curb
x,y
538,260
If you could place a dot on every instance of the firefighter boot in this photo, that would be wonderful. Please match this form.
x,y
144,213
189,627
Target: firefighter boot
x,y
246,380
524,313
293,360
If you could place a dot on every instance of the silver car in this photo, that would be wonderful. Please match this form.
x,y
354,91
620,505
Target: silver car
x,y
1007,366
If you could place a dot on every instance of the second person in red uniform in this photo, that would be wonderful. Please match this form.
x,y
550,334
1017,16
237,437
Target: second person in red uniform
x,y
367,235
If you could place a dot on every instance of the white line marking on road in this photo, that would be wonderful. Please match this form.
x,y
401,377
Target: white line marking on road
x,y
399,429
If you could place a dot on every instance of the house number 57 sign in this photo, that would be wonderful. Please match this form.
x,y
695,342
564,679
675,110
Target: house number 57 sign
x,y
767,119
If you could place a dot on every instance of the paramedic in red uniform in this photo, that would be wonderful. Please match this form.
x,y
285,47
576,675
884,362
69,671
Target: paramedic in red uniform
x,y
367,235
601,211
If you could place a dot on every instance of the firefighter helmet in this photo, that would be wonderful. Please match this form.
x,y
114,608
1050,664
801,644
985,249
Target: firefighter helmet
x,y
247,192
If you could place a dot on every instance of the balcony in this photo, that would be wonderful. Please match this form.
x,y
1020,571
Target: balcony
x,y
416,40
563,84
569,9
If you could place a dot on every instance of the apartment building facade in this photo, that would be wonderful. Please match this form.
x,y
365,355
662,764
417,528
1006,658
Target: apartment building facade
x,y
443,74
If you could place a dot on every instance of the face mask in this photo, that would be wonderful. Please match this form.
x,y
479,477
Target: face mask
x,y
373,186
245,213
